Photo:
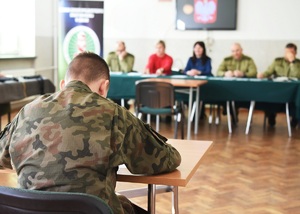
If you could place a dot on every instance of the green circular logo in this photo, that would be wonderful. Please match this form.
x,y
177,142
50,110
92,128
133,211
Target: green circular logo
x,y
80,39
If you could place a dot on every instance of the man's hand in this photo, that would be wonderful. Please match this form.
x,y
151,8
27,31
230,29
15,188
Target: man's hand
x,y
121,54
238,73
228,74
290,56
260,75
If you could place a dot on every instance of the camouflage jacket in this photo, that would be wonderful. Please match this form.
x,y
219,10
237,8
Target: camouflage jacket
x,y
245,64
74,140
282,68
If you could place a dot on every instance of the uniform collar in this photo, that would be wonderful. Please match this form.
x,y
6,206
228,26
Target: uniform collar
x,y
78,84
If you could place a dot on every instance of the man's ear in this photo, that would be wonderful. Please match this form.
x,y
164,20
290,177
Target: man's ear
x,y
103,88
62,84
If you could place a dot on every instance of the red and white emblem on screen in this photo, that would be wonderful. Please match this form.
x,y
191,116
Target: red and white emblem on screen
x,y
205,11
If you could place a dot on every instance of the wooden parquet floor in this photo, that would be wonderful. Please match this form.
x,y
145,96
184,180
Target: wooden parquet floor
x,y
255,173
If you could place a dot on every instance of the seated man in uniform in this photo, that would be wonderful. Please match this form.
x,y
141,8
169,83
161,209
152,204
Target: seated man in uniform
x,y
120,60
287,66
75,139
237,65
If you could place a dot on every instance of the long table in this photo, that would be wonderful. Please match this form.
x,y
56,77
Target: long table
x,y
223,89
191,154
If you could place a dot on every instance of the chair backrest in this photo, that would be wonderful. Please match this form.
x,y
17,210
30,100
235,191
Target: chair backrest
x,y
22,201
154,94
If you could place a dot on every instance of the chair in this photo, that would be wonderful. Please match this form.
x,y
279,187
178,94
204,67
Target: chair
x,y
158,98
22,201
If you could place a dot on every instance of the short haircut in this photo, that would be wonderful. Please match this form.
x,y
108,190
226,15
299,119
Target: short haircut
x,y
291,45
87,67
162,43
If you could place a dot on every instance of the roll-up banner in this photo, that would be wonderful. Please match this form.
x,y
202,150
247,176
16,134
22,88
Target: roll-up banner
x,y
80,29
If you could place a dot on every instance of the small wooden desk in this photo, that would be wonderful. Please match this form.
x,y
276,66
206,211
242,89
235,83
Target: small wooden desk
x,y
192,85
191,154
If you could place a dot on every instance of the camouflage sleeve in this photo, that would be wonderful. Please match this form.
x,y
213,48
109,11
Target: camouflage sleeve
x,y
143,150
5,135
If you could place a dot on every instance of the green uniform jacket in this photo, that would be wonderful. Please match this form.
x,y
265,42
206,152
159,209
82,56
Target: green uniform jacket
x,y
125,65
74,140
245,64
282,68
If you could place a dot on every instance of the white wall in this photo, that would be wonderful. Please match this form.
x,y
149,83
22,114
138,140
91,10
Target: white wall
x,y
263,29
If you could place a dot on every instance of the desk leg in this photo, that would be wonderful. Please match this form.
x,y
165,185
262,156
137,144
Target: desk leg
x,y
175,209
189,113
197,110
288,119
228,117
151,198
252,104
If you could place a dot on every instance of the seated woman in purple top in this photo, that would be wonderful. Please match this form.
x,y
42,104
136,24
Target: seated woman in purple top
x,y
199,63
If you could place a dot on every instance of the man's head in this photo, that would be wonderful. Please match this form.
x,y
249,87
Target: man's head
x,y
290,52
121,47
90,69
236,51
160,48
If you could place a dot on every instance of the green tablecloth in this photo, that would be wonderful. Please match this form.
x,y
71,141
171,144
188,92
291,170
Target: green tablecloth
x,y
221,90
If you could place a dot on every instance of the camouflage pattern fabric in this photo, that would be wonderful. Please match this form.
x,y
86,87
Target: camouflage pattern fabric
x,y
74,140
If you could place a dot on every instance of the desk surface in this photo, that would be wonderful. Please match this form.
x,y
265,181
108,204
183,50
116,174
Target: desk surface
x,y
178,82
191,154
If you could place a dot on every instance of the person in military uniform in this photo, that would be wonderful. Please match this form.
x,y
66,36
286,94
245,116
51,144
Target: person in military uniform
x,y
237,65
75,139
120,60
287,66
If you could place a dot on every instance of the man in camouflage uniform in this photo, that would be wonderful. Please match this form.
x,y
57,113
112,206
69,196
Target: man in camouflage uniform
x,y
237,65
75,139
287,66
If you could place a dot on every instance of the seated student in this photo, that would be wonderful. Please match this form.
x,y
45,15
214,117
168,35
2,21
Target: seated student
x,y
160,62
237,65
75,139
287,66
120,60
199,63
